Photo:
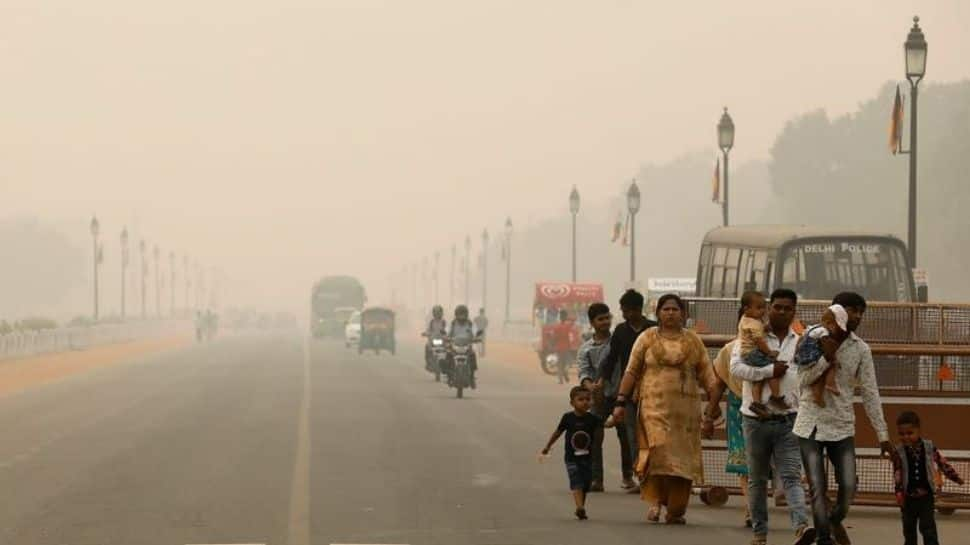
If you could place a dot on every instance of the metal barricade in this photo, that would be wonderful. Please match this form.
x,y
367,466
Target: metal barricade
x,y
933,379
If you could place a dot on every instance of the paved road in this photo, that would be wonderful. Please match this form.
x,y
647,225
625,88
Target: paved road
x,y
272,441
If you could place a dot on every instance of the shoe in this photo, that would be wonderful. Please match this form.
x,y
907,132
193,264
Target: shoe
x,y
747,522
653,514
628,484
779,402
634,490
839,535
804,535
581,514
759,409
676,521
759,540
596,486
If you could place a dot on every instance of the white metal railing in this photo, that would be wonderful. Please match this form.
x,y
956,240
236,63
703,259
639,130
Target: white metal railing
x,y
21,344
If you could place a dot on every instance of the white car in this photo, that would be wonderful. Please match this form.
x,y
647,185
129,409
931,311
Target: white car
x,y
352,330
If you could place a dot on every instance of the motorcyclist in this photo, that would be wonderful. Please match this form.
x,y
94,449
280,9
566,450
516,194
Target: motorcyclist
x,y
462,329
437,327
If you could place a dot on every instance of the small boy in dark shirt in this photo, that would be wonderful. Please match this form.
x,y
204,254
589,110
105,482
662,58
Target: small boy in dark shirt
x,y
580,426
916,464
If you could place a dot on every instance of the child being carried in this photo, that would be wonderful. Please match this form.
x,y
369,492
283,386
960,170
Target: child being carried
x,y
755,351
834,324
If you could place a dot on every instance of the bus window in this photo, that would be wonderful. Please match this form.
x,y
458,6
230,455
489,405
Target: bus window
x,y
731,267
704,268
819,270
759,265
717,271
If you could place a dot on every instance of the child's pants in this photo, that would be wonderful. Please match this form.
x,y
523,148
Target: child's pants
x,y
919,513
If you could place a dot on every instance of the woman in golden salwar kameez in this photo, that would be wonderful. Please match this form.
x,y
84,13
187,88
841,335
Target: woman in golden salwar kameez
x,y
667,368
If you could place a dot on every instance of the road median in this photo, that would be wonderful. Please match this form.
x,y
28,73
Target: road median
x,y
24,373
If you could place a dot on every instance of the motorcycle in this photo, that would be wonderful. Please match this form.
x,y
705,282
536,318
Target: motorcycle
x,y
462,357
436,355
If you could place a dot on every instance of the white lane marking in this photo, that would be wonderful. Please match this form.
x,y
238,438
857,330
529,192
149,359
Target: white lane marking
x,y
299,527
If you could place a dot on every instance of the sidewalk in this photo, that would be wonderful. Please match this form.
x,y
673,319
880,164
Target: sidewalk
x,y
21,374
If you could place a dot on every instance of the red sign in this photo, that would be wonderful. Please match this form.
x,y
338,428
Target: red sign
x,y
561,294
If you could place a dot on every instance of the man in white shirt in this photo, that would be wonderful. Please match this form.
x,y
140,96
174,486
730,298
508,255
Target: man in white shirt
x,y
829,431
770,439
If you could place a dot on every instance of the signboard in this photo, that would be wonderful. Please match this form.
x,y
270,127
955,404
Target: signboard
x,y
561,294
921,277
681,286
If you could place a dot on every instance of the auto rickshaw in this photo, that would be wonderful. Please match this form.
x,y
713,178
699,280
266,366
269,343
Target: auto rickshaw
x,y
376,330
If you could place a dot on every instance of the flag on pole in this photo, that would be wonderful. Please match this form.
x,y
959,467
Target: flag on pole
x,y
716,182
617,227
626,231
896,124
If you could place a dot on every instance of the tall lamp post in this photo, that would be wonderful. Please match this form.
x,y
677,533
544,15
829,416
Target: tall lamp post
x,y
633,205
485,269
915,48
95,231
188,284
725,141
574,209
508,267
158,284
436,277
468,268
144,274
171,266
124,268
451,288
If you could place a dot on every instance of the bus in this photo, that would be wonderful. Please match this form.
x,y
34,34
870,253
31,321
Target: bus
x,y
816,262
332,301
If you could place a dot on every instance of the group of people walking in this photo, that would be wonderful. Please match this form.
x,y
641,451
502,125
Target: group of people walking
x,y
789,409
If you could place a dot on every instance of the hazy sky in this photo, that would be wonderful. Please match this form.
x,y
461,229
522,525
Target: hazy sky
x,y
310,136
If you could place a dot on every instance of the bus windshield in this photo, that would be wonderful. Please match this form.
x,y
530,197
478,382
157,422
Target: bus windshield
x,y
820,268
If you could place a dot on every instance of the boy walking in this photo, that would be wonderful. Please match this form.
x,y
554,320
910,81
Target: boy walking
x,y
580,426
915,467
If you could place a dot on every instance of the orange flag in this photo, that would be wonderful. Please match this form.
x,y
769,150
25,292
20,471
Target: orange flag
x,y
896,124
617,227
716,182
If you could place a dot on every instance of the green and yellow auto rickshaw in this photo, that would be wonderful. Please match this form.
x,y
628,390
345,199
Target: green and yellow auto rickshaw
x,y
376,330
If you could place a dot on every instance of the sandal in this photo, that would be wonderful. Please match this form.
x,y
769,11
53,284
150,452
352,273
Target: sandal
x,y
676,520
653,514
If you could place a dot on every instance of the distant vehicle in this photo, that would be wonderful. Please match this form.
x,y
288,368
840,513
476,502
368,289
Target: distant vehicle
x,y
332,301
549,299
352,330
376,330
816,262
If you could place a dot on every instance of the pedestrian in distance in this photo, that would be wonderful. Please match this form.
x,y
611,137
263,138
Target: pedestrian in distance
x,y
918,471
580,426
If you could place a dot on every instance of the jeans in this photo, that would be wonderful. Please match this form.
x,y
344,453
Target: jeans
x,y
918,513
597,451
842,455
632,412
768,441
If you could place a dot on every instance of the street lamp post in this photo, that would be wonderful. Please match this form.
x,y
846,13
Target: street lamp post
x,y
95,231
484,269
171,265
144,274
633,205
188,284
158,285
915,48
725,141
468,261
124,268
436,277
508,267
451,288
574,209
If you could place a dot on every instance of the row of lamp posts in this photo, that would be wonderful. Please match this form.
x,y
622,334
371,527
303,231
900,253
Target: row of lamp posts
x,y
98,254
